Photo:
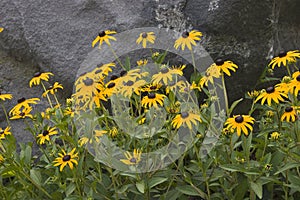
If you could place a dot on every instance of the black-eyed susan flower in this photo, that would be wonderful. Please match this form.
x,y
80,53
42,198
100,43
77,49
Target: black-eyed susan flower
x,y
4,132
23,103
110,88
146,37
3,97
132,159
69,112
289,115
253,94
213,71
166,75
104,36
103,70
66,159
142,62
284,57
22,113
187,39
152,87
275,135
131,75
225,66
185,118
240,123
294,85
130,87
271,94
45,134
38,77
53,89
153,99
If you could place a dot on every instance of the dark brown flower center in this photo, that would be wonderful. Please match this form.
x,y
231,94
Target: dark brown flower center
x,y
50,87
153,87
185,34
151,95
132,160
111,85
88,82
184,115
37,74
66,158
113,77
219,62
239,119
129,83
102,34
45,133
123,72
22,114
21,100
270,90
164,70
298,79
288,109
98,71
144,35
282,54
1,132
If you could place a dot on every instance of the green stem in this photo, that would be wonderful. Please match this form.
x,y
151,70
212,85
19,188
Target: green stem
x,y
193,60
5,113
117,58
50,103
225,95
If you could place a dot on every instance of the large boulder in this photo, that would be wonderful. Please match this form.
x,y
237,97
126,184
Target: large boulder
x,y
56,36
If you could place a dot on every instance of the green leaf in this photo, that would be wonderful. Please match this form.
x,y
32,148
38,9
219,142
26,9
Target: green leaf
x,y
257,188
36,176
156,181
70,189
287,166
231,168
189,190
234,104
140,186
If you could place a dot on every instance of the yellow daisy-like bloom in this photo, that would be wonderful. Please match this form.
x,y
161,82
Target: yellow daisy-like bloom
x,y
166,74
185,118
96,137
225,66
289,115
3,97
45,135
275,135
21,114
23,103
240,123
146,37
131,75
294,85
151,87
103,71
187,39
271,94
130,87
53,89
38,77
104,36
110,88
4,132
253,94
187,87
132,159
284,57
142,62
153,99
66,159
213,71
69,112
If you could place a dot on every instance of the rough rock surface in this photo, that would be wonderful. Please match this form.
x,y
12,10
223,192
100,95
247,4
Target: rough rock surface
x,y
56,35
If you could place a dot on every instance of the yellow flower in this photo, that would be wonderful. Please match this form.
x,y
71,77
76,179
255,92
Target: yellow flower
x,y
5,96
69,111
23,103
166,74
132,159
153,99
102,71
271,94
45,135
227,131
146,37
1,157
152,87
187,39
38,77
173,108
289,115
97,134
284,57
130,87
113,131
294,85
21,114
187,118
275,135
53,89
225,66
4,132
66,159
240,123
253,94
142,62
104,36
1,29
